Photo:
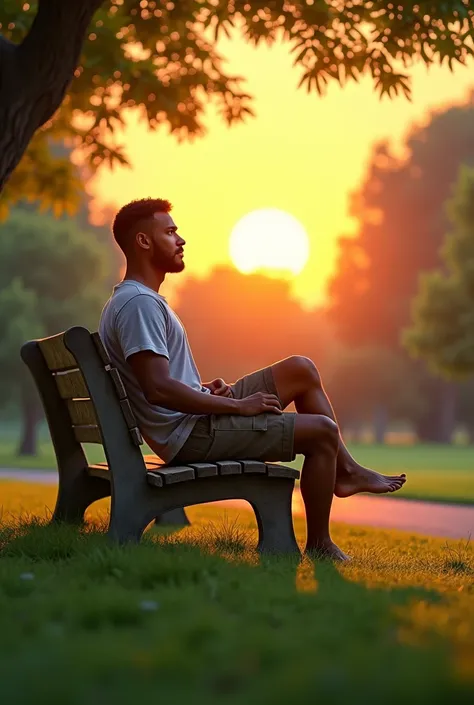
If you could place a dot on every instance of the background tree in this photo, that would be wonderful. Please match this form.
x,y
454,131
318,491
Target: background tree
x,y
53,274
401,226
442,332
162,58
239,323
374,385
402,223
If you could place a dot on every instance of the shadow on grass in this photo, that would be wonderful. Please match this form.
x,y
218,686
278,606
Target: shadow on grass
x,y
197,616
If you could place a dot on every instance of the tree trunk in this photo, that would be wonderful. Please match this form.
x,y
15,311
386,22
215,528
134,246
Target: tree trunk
x,y
470,432
31,415
35,75
448,398
380,423
437,425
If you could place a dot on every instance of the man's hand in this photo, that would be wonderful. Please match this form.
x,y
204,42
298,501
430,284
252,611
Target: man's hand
x,y
219,388
259,403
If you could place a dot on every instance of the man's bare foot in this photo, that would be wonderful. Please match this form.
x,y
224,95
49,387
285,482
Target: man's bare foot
x,y
326,550
360,479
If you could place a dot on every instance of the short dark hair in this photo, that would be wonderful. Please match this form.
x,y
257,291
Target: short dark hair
x,y
134,212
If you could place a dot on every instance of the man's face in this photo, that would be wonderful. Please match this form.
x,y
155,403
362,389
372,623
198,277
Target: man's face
x,y
166,250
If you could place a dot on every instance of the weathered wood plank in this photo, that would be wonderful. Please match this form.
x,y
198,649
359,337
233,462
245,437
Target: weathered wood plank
x,y
118,384
274,470
204,469
56,354
100,347
71,385
99,470
128,414
179,473
154,479
82,412
137,438
229,467
253,467
87,434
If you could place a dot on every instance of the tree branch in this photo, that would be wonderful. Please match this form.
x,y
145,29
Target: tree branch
x,y
35,75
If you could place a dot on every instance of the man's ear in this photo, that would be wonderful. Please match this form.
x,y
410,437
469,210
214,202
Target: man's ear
x,y
143,240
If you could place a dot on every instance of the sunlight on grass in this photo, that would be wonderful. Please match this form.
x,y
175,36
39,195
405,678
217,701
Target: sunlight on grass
x,y
198,616
437,473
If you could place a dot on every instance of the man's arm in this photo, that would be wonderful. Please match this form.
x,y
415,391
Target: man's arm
x,y
152,373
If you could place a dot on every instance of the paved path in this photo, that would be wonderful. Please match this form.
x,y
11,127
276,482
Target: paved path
x,y
432,518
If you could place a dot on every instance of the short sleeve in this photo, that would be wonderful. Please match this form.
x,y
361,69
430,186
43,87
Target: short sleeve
x,y
141,325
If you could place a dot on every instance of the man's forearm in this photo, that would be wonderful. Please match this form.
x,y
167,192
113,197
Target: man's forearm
x,y
175,395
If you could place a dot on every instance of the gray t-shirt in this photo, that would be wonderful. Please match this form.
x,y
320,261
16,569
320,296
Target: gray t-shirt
x,y
136,318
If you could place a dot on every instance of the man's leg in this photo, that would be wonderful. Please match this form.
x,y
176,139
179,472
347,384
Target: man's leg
x,y
317,438
297,379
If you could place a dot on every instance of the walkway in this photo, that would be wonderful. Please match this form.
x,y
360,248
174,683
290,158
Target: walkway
x,y
431,518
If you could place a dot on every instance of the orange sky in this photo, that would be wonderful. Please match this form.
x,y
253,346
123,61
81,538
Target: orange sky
x,y
302,154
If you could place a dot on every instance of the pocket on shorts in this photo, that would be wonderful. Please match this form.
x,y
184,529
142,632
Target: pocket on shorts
x,y
231,422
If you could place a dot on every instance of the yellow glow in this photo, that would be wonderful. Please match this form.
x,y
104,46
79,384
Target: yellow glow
x,y
302,154
269,239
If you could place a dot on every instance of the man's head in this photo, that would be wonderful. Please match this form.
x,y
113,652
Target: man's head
x,y
145,231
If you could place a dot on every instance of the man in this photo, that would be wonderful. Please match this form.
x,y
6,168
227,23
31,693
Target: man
x,y
183,420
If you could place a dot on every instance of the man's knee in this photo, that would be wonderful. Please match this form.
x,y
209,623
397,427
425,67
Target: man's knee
x,y
314,431
306,369
326,430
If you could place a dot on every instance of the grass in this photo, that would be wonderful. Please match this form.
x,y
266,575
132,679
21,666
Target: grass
x,y
437,473
195,616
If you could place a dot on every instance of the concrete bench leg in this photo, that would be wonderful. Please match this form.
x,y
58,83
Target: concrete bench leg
x,y
175,517
274,519
77,493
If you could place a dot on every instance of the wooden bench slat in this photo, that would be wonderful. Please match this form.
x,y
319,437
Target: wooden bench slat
x,y
173,474
128,414
253,467
87,434
154,479
204,469
56,354
82,412
274,470
99,470
71,385
136,435
100,347
118,384
229,467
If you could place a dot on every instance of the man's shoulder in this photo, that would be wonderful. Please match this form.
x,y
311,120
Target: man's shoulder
x,y
141,296
128,300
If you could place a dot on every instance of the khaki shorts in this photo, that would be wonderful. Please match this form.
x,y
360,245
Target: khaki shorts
x,y
266,437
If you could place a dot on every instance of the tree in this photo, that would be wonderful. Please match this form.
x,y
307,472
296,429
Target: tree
x,y
399,208
160,56
52,276
239,323
442,331
372,384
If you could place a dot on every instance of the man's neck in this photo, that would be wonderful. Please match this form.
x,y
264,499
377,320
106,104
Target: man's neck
x,y
149,277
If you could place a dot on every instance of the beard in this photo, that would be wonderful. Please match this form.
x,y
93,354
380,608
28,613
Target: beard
x,y
170,265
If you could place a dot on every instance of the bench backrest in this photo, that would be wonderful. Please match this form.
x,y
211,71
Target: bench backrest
x,y
81,391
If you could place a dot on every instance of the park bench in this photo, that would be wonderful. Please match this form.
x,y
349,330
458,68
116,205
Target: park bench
x,y
85,401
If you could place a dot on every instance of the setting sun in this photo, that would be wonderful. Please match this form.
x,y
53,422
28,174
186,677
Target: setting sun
x,y
269,239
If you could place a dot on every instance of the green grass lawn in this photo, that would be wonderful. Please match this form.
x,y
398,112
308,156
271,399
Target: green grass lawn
x,y
196,617
438,473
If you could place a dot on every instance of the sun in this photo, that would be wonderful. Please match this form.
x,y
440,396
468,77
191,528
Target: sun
x,y
269,239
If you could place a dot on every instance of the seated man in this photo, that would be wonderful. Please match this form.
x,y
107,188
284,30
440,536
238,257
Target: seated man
x,y
183,420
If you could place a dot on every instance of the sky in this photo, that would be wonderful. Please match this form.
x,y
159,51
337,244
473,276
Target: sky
x,y
302,154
